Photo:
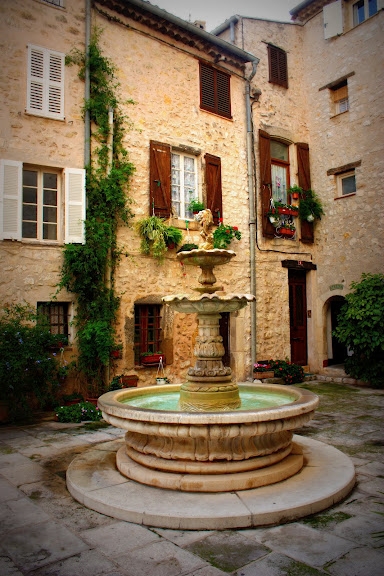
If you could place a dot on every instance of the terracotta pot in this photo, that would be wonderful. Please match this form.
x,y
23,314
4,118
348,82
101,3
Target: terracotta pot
x,y
129,381
152,359
287,232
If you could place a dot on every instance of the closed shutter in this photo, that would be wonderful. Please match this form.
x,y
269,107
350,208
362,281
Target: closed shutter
x,y
304,181
11,173
45,86
74,205
333,19
215,93
160,180
213,186
265,182
278,68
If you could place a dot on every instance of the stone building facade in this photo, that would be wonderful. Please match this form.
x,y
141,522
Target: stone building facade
x,y
159,61
318,92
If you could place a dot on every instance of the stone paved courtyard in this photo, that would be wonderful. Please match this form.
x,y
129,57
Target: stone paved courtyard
x,y
45,532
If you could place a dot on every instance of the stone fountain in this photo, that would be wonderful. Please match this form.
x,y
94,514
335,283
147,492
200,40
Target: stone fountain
x,y
212,440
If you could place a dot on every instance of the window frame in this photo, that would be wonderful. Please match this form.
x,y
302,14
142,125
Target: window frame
x,y
215,90
185,213
283,164
340,97
366,11
339,183
41,171
277,66
45,82
143,343
53,310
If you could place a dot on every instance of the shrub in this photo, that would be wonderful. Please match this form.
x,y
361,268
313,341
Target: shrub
x,y
28,367
78,412
361,328
291,373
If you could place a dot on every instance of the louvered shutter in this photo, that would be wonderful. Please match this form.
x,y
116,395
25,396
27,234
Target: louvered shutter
x,y
215,93
213,186
74,205
278,69
304,181
265,182
223,94
11,174
160,180
45,86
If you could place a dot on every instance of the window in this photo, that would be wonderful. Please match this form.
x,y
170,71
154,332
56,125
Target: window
x,y
278,68
147,330
173,177
340,97
184,184
55,2
215,91
346,183
31,202
40,205
280,170
363,10
56,314
45,85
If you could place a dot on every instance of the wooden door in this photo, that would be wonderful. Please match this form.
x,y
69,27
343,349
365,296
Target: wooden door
x,y
298,316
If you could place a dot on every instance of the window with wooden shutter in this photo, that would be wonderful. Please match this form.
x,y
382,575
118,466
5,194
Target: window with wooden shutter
x,y
265,182
340,97
213,186
215,95
74,205
160,180
278,67
304,181
45,84
10,199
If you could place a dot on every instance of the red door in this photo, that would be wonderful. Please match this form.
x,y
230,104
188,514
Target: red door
x,y
298,316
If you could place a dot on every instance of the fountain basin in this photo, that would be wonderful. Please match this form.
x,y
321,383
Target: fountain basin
x,y
209,451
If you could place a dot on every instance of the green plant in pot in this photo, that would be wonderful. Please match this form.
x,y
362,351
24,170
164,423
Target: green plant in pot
x,y
173,237
156,236
196,206
310,207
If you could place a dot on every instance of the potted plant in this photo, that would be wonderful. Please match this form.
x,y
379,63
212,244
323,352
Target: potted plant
x,y
152,358
286,209
224,234
74,398
310,207
129,380
173,237
274,217
187,247
287,230
262,370
296,192
196,206
116,351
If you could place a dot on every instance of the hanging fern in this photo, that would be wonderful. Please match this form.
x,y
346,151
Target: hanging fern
x,y
86,267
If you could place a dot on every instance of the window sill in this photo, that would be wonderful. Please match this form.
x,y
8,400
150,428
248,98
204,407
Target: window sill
x,y
345,196
230,118
338,114
182,223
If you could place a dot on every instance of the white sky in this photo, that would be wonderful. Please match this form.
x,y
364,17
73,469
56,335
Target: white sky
x,y
215,12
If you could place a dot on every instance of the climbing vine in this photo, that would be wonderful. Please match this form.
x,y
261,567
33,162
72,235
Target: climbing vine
x,y
89,269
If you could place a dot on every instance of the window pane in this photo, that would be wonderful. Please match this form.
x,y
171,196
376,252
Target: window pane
x,y
279,151
29,230
358,12
279,183
29,178
50,197
49,232
49,214
49,180
30,212
372,7
30,195
348,185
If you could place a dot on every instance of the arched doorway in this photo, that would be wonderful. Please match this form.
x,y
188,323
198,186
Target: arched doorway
x,y
337,352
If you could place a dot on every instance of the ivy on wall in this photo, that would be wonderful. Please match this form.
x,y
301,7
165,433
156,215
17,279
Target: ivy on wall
x,y
89,269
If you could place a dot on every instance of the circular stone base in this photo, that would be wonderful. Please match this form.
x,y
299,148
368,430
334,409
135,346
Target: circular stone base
x,y
327,477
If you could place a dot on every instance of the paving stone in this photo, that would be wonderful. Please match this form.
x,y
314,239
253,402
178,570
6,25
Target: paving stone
x,y
119,537
8,491
15,514
183,537
87,563
33,546
160,558
277,565
361,529
305,544
227,550
359,562
8,568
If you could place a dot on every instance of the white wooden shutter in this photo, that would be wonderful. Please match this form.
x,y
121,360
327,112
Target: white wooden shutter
x,y
333,19
45,85
10,199
74,205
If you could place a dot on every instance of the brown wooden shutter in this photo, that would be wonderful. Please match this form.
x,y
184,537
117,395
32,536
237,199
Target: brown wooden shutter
x,y
215,91
304,181
265,182
213,186
278,68
160,179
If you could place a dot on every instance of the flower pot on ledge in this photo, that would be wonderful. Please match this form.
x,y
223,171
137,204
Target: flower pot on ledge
x,y
287,232
153,359
129,380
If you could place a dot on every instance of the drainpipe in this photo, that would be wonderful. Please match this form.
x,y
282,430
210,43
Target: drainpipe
x,y
252,211
87,121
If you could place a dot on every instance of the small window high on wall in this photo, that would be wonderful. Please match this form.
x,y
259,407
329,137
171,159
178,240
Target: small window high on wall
x,y
362,10
148,333
215,95
278,66
340,99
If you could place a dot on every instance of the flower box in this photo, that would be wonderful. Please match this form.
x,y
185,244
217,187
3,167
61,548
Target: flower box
x,y
152,359
129,381
261,375
287,232
288,211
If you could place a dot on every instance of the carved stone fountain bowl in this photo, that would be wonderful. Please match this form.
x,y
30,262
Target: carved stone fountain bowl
x,y
208,451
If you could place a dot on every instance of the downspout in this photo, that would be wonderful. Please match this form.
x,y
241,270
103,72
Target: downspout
x,y
252,211
87,121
